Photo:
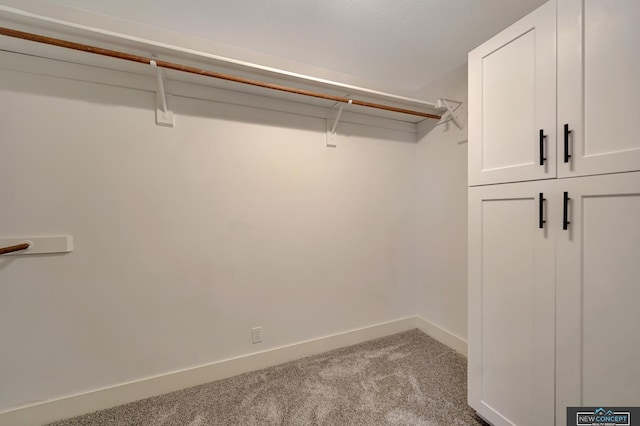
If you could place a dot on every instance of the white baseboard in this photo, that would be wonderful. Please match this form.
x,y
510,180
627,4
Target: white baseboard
x,y
50,411
99,399
456,343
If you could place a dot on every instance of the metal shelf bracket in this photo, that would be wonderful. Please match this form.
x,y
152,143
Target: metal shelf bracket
x,y
331,128
450,114
164,115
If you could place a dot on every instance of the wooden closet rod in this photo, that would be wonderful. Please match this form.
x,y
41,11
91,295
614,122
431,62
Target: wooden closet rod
x,y
185,68
17,247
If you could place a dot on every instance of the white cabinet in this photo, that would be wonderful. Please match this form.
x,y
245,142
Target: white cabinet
x,y
553,312
598,86
598,289
512,99
511,303
590,128
549,307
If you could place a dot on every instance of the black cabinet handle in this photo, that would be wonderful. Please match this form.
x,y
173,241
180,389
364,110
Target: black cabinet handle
x,y
565,213
542,157
566,143
541,220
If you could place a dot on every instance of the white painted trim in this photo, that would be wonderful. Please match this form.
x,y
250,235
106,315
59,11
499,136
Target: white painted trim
x,y
456,343
99,399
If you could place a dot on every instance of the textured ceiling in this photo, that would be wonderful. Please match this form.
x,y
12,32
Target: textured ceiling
x,y
402,44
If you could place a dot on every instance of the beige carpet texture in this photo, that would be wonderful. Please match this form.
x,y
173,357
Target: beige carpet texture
x,y
404,379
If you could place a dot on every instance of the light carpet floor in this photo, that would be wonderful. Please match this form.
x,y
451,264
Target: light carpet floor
x,y
405,379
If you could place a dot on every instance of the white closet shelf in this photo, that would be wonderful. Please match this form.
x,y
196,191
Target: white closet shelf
x,y
26,22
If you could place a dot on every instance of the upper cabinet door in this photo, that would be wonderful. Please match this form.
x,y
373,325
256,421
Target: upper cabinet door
x,y
598,86
512,100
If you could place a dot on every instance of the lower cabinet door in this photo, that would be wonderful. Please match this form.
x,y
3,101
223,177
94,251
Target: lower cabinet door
x,y
512,302
598,293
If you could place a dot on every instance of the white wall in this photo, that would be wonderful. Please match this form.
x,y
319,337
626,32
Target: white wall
x,y
441,197
185,238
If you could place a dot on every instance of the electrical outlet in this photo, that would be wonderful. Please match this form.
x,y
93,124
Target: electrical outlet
x,y
256,335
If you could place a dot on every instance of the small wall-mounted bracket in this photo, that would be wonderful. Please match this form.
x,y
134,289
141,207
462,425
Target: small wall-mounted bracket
x,y
450,112
332,126
164,115
39,245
